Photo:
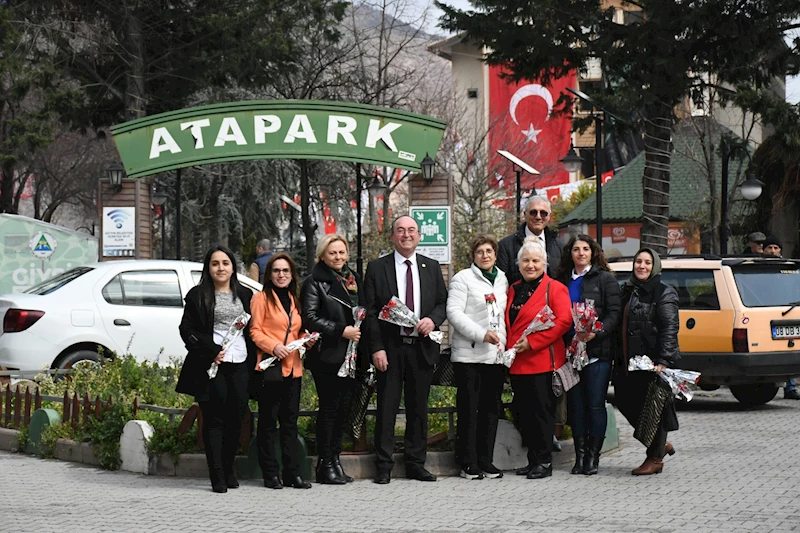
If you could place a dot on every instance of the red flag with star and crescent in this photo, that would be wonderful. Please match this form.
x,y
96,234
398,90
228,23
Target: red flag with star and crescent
x,y
521,122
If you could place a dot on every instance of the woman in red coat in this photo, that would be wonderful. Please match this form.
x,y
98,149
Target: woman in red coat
x,y
538,354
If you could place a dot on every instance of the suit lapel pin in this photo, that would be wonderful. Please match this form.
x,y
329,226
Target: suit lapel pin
x,y
424,265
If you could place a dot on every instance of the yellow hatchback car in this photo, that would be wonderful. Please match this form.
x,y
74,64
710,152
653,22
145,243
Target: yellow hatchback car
x,y
740,320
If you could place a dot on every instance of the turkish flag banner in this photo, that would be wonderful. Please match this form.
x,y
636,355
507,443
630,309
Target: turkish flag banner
x,y
521,122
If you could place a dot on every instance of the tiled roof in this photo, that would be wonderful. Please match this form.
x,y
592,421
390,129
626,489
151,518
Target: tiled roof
x,y
689,188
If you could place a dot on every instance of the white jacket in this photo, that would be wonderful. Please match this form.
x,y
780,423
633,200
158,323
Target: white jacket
x,y
468,315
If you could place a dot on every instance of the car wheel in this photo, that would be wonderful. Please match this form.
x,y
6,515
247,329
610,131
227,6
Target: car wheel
x,y
754,395
78,357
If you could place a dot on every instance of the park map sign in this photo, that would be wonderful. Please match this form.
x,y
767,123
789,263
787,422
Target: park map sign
x,y
292,129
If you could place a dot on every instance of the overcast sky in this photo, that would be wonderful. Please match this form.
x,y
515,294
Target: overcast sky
x,y
792,84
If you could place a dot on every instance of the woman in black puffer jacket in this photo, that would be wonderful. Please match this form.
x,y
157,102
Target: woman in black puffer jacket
x,y
650,326
584,270
329,296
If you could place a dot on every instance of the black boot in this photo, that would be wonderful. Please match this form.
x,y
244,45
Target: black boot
x,y
591,460
580,449
326,473
217,480
337,466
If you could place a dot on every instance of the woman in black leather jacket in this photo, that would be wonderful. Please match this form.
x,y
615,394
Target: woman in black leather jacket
x,y
584,270
650,326
330,295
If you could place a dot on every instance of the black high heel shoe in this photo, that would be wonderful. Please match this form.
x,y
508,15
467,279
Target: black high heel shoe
x,y
326,473
296,482
337,466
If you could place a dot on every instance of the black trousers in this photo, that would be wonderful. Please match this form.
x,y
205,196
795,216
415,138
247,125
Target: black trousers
x,y
334,399
222,417
279,401
478,408
409,373
533,396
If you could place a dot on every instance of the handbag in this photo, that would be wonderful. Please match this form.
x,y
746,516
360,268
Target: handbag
x,y
443,373
564,377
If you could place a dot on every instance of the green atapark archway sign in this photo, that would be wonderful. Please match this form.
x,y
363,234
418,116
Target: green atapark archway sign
x,y
291,129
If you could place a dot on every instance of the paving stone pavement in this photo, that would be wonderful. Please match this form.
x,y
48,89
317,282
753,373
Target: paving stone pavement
x,y
735,470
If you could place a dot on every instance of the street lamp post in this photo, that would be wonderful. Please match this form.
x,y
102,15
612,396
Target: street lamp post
x,y
519,165
751,188
374,189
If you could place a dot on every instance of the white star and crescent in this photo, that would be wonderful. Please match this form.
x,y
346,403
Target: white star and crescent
x,y
533,89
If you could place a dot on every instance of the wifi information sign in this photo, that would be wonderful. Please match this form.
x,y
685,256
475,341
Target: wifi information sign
x,y
434,229
119,231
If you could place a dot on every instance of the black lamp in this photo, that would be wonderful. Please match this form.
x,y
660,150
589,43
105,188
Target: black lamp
x,y
752,187
115,174
157,195
427,165
572,161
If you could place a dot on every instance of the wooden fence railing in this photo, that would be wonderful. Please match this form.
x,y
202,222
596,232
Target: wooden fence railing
x,y
16,406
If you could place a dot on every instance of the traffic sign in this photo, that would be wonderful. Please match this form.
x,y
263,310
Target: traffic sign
x,y
435,229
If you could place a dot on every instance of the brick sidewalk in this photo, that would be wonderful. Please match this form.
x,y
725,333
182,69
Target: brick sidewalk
x,y
734,471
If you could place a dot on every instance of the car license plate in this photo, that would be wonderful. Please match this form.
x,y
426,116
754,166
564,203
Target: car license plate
x,y
786,331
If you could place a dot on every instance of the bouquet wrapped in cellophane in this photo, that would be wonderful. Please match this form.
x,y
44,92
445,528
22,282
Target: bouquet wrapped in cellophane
x,y
395,312
348,368
495,317
677,379
234,330
544,319
584,316
298,344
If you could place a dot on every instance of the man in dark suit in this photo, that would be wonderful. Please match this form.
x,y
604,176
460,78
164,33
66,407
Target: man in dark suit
x,y
537,217
404,357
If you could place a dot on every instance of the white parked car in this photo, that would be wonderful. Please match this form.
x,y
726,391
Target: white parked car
x,y
110,307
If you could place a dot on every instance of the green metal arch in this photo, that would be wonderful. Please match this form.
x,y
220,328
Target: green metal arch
x,y
290,129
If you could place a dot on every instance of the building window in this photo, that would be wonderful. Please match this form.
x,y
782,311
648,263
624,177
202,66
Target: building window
x,y
587,168
472,93
589,88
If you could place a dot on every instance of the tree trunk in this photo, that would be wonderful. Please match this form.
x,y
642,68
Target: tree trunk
x,y
655,180
305,205
134,77
7,188
214,209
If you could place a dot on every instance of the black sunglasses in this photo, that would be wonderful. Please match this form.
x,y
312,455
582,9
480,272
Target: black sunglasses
x,y
542,213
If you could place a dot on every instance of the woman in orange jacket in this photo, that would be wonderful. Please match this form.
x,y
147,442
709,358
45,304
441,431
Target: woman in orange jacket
x,y
538,354
276,321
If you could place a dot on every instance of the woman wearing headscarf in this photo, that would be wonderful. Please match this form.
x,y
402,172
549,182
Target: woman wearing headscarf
x,y
584,270
475,304
329,296
539,354
649,327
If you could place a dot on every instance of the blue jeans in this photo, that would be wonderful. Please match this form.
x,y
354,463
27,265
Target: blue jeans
x,y
790,385
586,401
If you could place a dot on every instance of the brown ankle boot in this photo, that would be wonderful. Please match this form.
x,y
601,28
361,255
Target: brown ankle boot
x,y
651,465
669,449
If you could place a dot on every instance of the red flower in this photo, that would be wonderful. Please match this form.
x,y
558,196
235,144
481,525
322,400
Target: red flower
x,y
490,298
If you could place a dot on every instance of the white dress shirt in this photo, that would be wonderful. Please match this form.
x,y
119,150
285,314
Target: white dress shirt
x,y
400,269
529,233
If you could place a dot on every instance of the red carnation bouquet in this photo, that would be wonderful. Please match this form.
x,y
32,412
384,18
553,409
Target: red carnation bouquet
x,y
297,344
544,319
234,330
348,368
395,312
584,316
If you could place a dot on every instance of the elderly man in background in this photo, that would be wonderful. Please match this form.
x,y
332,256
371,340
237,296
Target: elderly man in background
x,y
256,269
755,243
537,216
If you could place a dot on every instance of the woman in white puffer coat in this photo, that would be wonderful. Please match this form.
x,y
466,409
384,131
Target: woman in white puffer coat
x,y
476,304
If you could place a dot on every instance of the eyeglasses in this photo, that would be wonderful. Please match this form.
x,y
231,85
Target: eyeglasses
x,y
406,231
542,213
281,271
490,251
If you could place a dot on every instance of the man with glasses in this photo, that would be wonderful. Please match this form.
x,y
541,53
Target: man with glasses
x,y
537,216
404,357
